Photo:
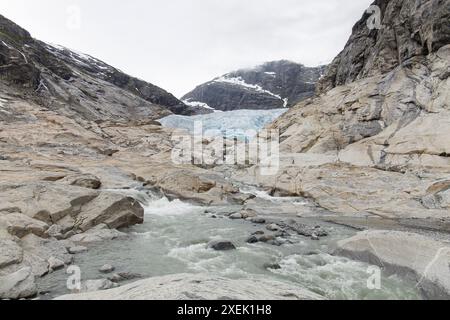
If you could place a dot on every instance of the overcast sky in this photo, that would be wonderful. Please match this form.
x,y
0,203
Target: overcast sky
x,y
179,44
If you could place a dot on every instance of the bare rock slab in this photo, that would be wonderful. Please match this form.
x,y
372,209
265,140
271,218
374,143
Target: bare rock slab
x,y
407,254
200,287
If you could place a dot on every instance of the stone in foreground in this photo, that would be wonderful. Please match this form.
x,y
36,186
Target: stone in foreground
x,y
200,287
18,285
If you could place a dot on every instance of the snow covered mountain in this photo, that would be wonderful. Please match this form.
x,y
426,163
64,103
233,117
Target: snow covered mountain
x,y
64,79
273,85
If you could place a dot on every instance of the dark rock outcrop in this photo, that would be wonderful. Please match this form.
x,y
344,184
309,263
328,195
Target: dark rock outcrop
x,y
408,29
272,85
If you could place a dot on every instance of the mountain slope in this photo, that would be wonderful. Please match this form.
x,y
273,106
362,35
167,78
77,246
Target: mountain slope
x,y
273,85
76,83
374,141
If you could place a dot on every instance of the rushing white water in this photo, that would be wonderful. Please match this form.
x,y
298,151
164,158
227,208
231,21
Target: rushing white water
x,y
173,240
238,123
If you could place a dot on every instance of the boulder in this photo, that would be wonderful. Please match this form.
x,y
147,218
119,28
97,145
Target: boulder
x,y
77,249
235,216
252,239
112,209
124,276
107,268
248,213
258,220
18,285
55,264
221,245
97,235
201,287
96,285
273,227
266,238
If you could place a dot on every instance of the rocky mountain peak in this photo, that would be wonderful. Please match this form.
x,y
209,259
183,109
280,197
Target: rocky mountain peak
x,y
272,85
13,32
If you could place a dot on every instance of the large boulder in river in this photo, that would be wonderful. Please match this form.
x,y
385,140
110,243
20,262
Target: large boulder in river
x,y
221,245
201,287
423,259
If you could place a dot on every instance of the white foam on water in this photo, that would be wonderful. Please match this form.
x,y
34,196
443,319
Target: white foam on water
x,y
165,207
339,278
261,194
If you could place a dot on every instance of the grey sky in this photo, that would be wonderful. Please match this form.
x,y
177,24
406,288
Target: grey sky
x,y
178,44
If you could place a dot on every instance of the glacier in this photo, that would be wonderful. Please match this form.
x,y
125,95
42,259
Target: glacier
x,y
241,124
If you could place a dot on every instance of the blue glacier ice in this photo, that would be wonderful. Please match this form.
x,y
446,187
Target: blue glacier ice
x,y
228,124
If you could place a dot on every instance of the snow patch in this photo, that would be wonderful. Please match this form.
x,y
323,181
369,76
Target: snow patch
x,y
78,57
197,104
238,81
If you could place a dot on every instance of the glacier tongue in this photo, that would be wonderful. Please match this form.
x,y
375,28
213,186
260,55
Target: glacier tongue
x,y
230,124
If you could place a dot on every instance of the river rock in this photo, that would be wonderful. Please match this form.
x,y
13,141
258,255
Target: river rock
x,y
408,254
221,245
98,235
273,227
235,216
258,220
248,213
201,287
96,285
266,238
252,239
18,285
315,237
55,264
107,268
124,276
77,249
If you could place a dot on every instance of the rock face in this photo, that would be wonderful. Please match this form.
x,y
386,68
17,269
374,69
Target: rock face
x,y
373,142
273,85
200,287
408,29
426,260
57,77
